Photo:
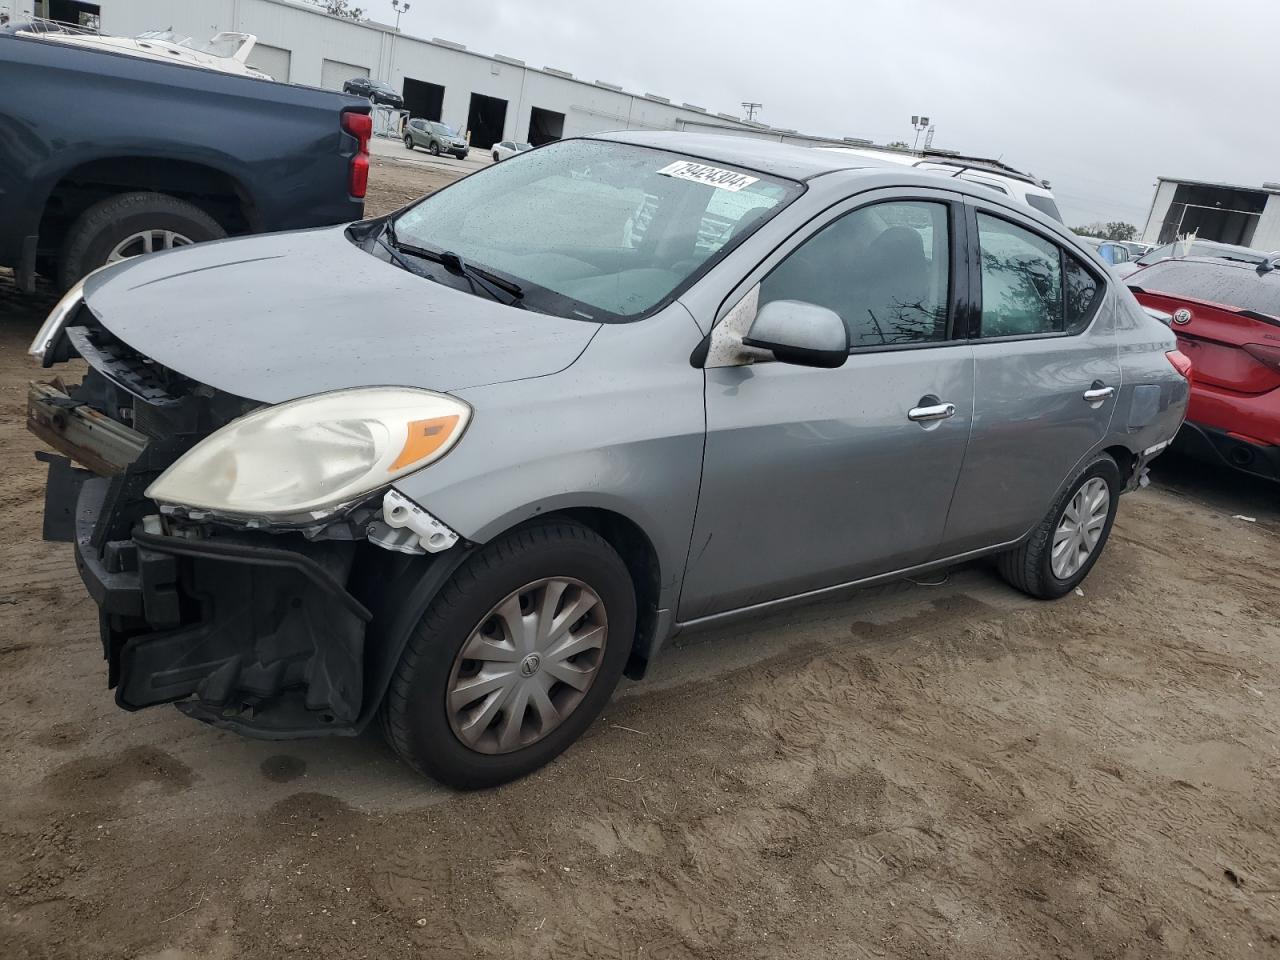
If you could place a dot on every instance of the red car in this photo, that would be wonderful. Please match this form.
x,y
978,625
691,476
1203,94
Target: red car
x,y
1227,319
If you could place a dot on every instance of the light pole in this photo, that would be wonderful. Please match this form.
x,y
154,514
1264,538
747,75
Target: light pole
x,y
400,8
751,107
919,123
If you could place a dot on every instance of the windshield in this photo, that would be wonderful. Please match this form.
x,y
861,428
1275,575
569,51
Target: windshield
x,y
223,45
1231,286
596,230
443,129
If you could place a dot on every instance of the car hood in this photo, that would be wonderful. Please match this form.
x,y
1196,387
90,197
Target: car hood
x,y
285,315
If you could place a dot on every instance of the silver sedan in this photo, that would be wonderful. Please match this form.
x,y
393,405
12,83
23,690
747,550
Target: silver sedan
x,y
461,468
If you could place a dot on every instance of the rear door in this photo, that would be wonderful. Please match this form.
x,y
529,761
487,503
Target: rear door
x,y
811,477
1047,374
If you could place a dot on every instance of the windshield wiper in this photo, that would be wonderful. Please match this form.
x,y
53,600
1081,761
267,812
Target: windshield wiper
x,y
454,263
387,240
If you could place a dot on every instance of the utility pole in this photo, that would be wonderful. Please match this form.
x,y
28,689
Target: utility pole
x,y
919,123
751,107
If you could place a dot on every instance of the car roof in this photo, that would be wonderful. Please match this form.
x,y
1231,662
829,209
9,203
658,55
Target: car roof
x,y
767,156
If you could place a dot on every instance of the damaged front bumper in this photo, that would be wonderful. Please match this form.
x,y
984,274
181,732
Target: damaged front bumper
x,y
245,634
274,634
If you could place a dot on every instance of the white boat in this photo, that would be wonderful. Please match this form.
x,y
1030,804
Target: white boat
x,y
226,52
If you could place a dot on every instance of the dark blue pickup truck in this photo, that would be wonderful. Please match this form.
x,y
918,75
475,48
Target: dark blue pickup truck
x,y
103,156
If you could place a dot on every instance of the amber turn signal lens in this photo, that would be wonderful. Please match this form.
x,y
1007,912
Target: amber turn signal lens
x,y
423,438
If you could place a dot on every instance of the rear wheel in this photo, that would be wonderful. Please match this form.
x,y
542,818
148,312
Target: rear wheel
x,y
408,142
514,658
128,225
1067,543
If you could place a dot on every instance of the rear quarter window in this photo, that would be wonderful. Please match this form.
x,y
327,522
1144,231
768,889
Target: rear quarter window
x,y
1045,205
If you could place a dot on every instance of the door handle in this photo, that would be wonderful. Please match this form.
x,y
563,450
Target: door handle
x,y
1094,394
936,411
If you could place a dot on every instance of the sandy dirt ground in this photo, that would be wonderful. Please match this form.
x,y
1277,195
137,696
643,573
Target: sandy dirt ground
x,y
939,769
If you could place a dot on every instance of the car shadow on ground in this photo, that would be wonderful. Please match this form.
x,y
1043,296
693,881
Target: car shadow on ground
x,y
1218,487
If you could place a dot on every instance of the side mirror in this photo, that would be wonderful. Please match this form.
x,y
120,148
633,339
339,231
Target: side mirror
x,y
800,333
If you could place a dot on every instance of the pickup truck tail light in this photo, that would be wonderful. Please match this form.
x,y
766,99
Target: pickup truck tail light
x,y
1180,362
360,126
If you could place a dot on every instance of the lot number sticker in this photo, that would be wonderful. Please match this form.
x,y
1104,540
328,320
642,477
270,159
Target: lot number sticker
x,y
712,176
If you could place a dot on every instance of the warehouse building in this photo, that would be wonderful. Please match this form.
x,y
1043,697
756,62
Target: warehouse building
x,y
493,98
1247,216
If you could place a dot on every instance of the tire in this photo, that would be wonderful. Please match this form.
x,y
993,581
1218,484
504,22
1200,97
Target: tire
x,y
435,149
97,231
1030,567
496,158
408,142
416,716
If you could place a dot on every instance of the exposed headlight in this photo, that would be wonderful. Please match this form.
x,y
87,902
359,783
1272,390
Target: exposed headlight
x,y
303,460
53,323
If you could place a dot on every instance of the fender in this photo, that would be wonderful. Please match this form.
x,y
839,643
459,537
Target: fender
x,y
400,604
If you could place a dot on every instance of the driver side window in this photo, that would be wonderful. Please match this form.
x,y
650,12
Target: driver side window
x,y
884,268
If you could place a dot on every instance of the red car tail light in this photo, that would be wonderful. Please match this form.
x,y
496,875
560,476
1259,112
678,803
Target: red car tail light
x,y
360,126
1264,354
1180,362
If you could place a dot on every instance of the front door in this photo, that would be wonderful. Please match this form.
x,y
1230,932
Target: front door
x,y
814,477
1048,375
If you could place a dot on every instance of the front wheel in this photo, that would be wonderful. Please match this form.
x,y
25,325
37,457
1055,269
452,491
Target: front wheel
x,y
435,149
514,658
496,158
1065,545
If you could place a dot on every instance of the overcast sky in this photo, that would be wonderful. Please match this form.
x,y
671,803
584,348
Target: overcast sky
x,y
1098,98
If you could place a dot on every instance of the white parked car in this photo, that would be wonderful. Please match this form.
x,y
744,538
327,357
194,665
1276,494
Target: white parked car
x,y
999,178
509,148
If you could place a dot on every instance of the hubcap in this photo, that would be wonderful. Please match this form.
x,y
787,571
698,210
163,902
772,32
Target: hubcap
x,y
1080,528
146,241
527,666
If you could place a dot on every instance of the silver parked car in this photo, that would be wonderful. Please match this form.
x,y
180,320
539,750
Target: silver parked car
x,y
464,467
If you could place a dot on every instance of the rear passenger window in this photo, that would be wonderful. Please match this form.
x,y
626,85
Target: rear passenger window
x,y
1083,292
885,269
1021,281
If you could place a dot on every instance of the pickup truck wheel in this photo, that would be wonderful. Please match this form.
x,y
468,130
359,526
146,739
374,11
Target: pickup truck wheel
x,y
435,149
1067,543
514,658
408,142
127,225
